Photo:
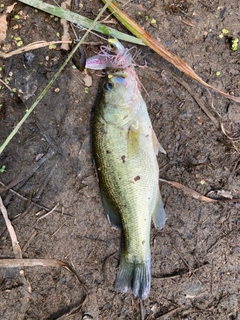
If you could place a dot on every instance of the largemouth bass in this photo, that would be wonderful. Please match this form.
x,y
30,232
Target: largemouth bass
x,y
124,149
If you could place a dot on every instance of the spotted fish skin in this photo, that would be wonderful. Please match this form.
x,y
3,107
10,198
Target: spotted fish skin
x,y
125,148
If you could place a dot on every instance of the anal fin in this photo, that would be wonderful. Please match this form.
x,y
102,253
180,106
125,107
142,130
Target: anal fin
x,y
159,216
156,144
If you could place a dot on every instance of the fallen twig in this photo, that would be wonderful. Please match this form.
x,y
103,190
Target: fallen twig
x,y
142,310
4,83
16,248
31,46
58,229
65,27
195,194
46,214
172,311
233,139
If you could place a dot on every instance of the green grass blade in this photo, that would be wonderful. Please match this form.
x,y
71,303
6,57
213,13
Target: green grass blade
x,y
80,20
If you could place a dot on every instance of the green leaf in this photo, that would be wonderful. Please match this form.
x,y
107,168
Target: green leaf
x,y
2,169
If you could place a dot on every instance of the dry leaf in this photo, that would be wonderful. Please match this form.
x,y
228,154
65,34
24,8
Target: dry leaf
x,y
87,80
3,22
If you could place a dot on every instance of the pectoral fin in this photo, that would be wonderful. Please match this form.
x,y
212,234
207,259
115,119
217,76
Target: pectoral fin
x,y
159,216
135,126
156,144
112,216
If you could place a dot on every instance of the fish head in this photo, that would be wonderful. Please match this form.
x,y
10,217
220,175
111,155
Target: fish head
x,y
118,100
116,89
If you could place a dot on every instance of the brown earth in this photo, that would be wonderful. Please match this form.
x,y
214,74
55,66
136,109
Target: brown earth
x,y
195,258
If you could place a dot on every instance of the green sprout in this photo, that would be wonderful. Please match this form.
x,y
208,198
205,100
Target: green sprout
x,y
224,31
58,34
234,45
17,16
218,73
3,168
153,21
19,41
86,90
52,46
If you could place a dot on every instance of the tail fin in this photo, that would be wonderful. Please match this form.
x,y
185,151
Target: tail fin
x,y
135,276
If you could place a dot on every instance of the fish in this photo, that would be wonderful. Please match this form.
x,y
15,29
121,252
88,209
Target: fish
x,y
125,147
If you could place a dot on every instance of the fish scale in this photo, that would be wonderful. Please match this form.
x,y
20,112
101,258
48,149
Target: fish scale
x,y
118,178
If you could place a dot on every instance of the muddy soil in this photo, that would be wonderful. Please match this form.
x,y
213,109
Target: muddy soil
x,y
195,258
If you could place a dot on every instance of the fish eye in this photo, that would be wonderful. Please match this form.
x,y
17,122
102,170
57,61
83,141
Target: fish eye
x,y
108,86
111,46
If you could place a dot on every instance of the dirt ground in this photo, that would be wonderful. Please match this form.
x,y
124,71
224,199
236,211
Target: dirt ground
x,y
195,258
